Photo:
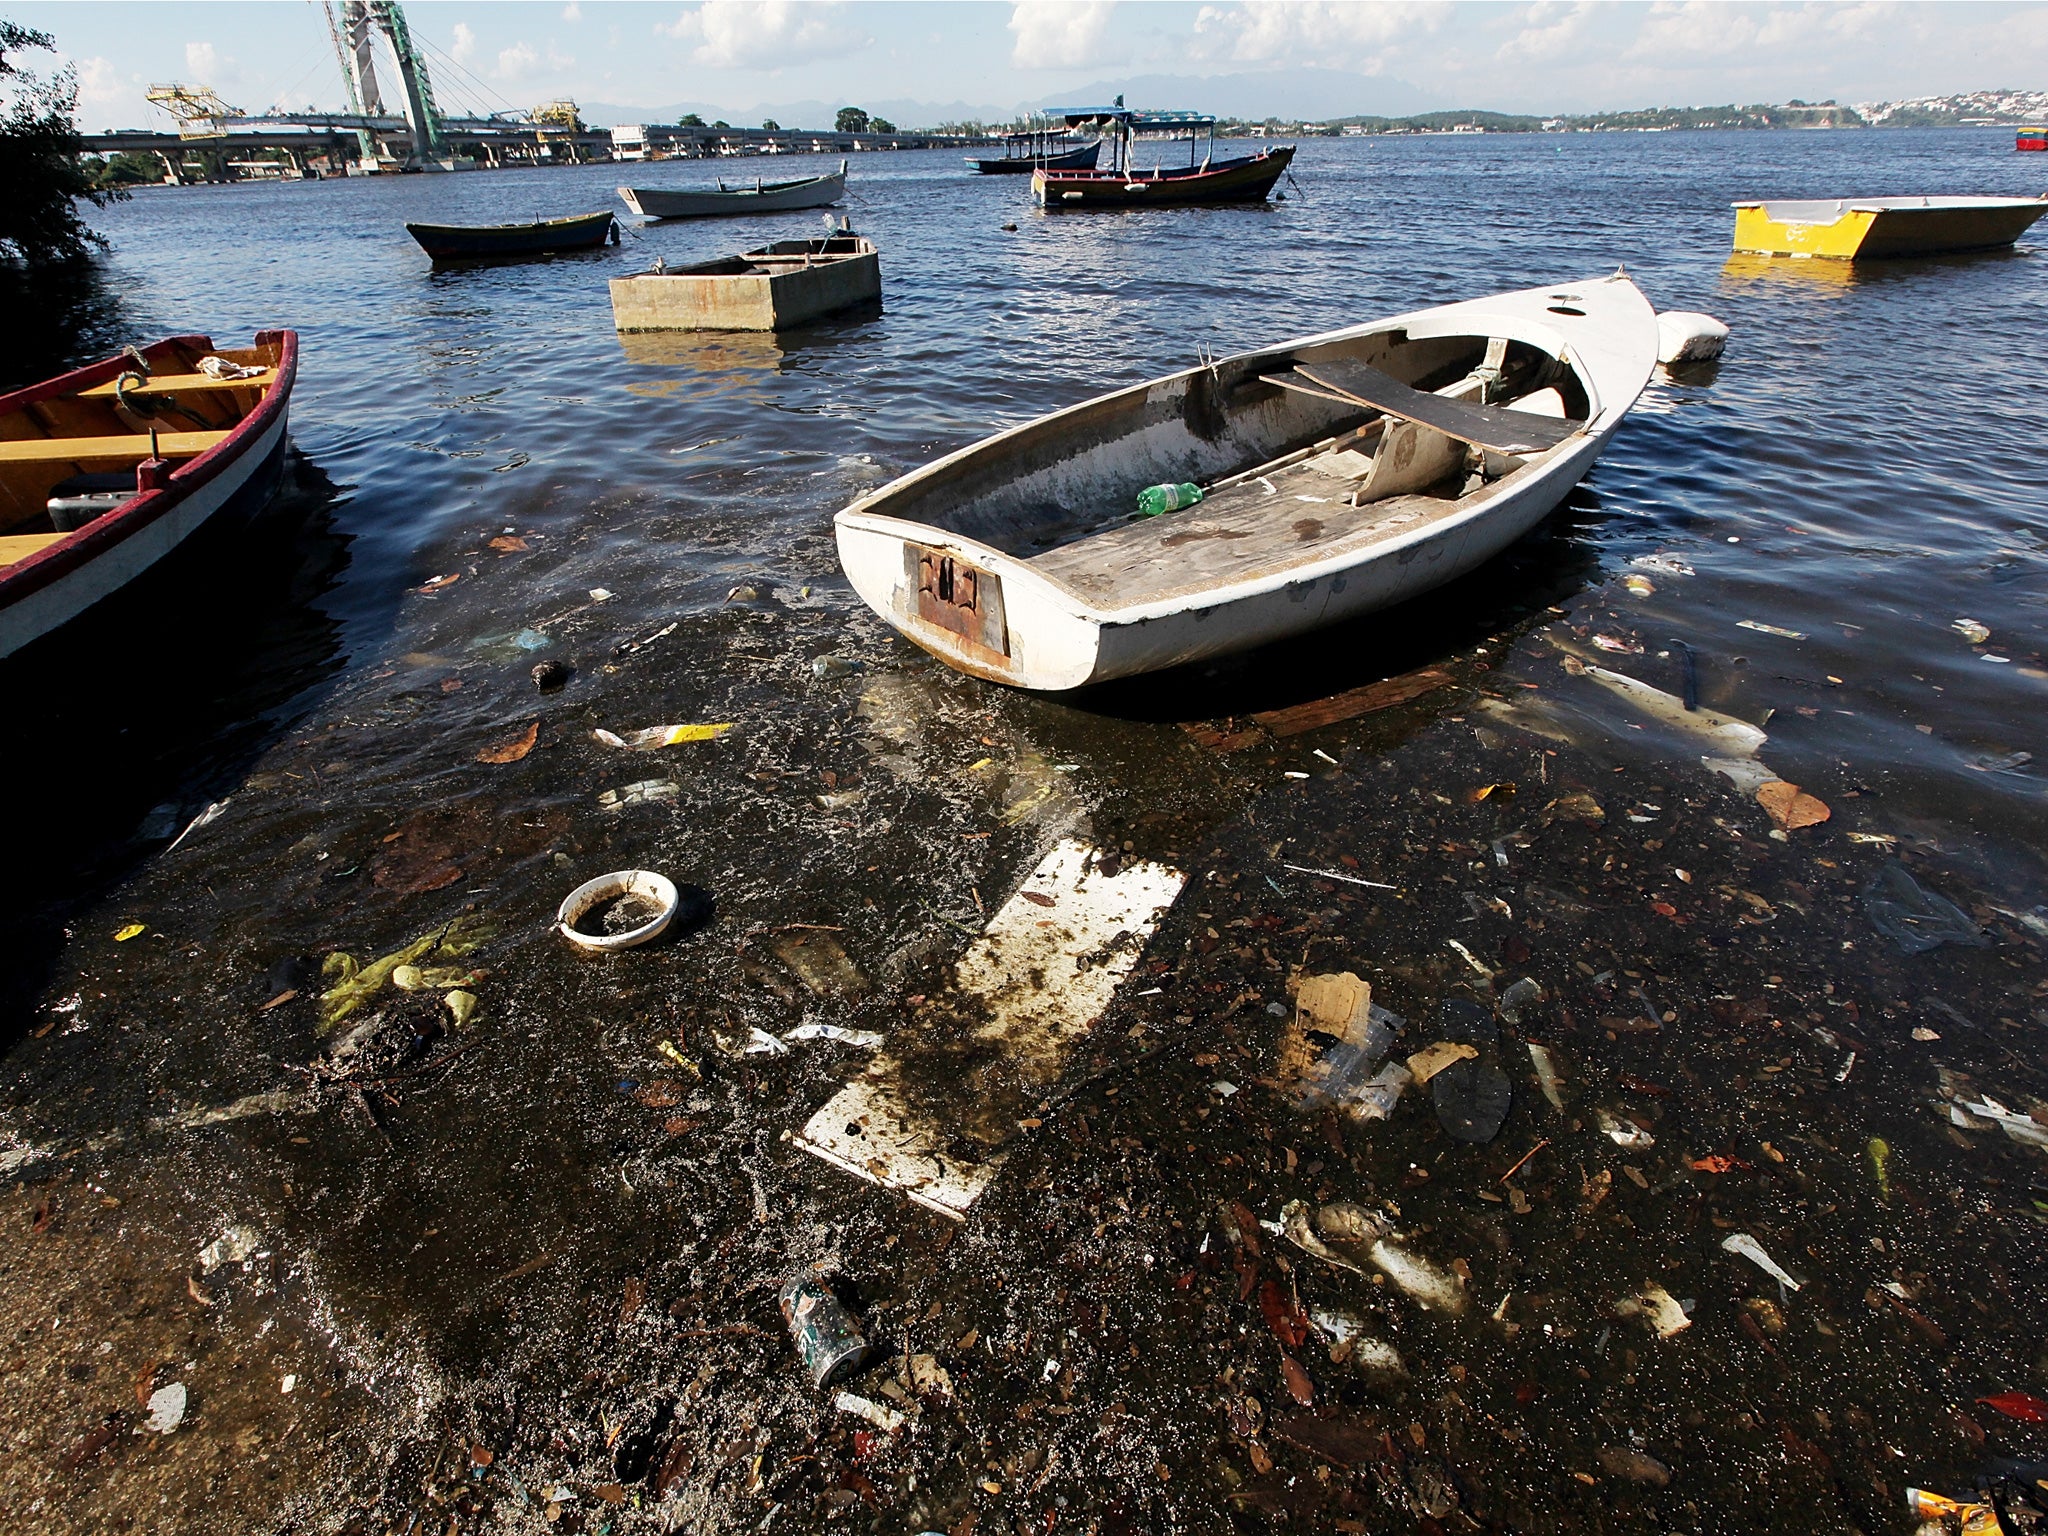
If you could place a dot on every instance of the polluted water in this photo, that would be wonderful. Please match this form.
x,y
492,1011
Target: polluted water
x,y
1315,1091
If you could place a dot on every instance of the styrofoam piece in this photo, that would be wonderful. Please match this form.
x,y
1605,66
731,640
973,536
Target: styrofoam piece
x,y
643,883
1033,984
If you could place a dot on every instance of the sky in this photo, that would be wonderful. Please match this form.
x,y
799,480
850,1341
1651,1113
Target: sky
x,y
929,61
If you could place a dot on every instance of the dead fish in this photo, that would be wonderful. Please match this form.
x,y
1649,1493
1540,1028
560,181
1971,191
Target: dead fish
x,y
1294,1225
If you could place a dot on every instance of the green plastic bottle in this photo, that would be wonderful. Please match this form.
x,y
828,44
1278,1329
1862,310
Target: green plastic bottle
x,y
1155,499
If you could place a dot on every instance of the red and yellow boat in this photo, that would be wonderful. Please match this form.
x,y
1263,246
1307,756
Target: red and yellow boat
x,y
2032,138
106,471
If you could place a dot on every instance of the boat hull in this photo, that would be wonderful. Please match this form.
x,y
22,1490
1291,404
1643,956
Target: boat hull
x,y
1082,159
1248,180
459,242
781,197
2031,139
1030,629
222,489
1883,227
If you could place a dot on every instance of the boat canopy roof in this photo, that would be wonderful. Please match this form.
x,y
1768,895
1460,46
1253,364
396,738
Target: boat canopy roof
x,y
1140,122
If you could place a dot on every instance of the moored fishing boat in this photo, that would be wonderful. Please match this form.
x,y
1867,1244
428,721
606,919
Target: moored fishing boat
x,y
1236,179
1859,229
1342,473
2031,138
724,201
539,237
107,471
1026,152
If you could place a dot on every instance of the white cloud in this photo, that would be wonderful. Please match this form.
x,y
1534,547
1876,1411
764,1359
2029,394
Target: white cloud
x,y
765,34
202,61
517,62
1330,33
1681,34
1062,34
465,43
572,11
100,83
1551,29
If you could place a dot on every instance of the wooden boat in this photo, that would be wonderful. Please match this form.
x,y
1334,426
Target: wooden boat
x,y
1024,152
761,197
1345,472
542,237
1858,229
1242,179
2031,138
1245,179
771,288
107,470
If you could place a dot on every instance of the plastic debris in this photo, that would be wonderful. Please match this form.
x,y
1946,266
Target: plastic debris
x,y
660,736
1915,918
1518,998
1336,1039
621,910
1880,1154
1623,1132
1968,1519
1669,564
207,817
237,1245
1687,336
129,931
866,1039
877,1414
1432,1059
1639,586
1659,1308
1745,1246
1972,631
166,1408
1790,806
643,792
831,668
1547,1076
827,1339
461,1006
1770,629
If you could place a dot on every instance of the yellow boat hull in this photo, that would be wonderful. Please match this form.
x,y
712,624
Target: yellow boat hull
x,y
1881,227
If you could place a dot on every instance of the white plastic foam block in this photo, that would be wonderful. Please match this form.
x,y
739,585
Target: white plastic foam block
x,y
1038,977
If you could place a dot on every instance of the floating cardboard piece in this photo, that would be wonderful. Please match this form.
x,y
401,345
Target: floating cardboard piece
x,y
1028,990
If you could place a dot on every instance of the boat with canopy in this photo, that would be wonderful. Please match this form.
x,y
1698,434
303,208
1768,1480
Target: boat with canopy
x,y
1125,184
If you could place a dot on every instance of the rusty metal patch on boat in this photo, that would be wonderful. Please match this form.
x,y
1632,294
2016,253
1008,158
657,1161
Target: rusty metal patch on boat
x,y
945,590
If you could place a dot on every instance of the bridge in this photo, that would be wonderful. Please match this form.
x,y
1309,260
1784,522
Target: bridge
x,y
318,143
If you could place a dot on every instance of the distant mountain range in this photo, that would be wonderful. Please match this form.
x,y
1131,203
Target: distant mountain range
x,y
1295,94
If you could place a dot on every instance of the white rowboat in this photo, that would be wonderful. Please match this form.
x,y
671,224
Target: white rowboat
x,y
761,197
1345,472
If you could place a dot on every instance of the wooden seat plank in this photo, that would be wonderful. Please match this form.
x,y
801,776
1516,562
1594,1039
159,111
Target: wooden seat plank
x,y
175,383
16,547
1484,426
126,448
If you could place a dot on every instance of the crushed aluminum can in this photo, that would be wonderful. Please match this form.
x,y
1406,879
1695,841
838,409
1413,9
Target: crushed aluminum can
x,y
828,1340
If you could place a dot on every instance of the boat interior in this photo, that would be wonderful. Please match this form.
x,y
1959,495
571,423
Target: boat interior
x,y
67,459
1300,452
776,258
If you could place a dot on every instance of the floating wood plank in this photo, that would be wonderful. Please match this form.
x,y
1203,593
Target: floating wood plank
x,y
1221,738
1384,694
1030,988
1487,426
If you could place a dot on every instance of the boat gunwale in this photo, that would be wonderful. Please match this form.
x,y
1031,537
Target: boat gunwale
x,y
115,526
1601,422
510,229
762,190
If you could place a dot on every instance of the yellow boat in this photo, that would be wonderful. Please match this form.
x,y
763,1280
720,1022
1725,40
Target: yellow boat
x,y
1856,229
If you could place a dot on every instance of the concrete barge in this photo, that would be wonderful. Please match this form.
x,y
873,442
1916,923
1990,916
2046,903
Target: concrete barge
x,y
780,285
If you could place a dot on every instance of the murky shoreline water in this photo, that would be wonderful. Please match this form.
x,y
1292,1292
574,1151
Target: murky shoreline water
x,y
539,1236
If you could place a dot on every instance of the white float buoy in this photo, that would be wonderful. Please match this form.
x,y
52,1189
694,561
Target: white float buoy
x,y
1687,336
